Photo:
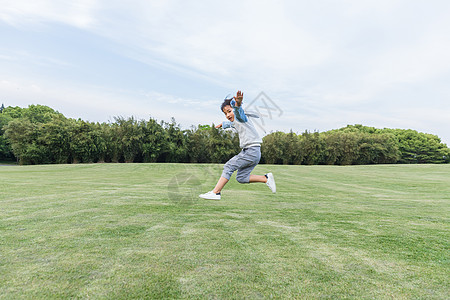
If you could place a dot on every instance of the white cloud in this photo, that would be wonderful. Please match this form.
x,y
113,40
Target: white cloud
x,y
29,13
98,104
236,41
29,58
253,41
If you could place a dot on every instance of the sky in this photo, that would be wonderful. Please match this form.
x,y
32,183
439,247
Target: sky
x,y
319,65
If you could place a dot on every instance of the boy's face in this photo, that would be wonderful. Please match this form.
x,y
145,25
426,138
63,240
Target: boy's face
x,y
229,113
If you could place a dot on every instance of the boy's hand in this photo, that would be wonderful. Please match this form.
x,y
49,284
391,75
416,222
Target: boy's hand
x,y
218,126
238,98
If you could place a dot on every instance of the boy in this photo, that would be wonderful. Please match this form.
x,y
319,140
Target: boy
x,y
249,141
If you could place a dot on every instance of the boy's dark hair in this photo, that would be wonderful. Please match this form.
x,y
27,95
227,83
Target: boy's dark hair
x,y
226,101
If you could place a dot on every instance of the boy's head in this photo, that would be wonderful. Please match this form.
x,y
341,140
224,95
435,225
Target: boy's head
x,y
227,109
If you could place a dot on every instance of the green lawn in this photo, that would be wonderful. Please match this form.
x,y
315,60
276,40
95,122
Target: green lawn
x,y
139,231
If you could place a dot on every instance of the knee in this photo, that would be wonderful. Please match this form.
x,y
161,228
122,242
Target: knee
x,y
226,173
242,179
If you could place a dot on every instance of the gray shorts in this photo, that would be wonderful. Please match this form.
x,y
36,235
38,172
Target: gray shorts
x,y
244,163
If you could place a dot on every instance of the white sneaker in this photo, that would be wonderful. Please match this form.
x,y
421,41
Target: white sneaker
x,y
210,196
271,182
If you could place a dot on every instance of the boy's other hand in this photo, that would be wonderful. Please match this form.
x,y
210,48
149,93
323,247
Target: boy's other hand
x,y
238,98
218,126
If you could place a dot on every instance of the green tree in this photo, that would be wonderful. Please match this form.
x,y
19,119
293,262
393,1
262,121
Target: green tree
x,y
55,137
13,112
31,151
350,148
208,144
5,148
313,148
130,137
377,149
273,147
40,113
196,140
293,154
154,141
101,140
86,142
23,137
333,147
175,147
418,147
8,114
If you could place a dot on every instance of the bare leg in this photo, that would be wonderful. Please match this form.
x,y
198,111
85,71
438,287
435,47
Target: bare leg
x,y
220,184
258,178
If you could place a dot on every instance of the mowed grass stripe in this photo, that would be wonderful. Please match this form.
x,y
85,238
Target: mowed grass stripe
x,y
139,231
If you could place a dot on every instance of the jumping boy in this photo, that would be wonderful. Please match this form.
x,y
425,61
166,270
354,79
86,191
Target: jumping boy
x,y
249,141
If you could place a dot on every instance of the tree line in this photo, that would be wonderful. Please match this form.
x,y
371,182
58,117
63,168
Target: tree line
x,y
40,135
355,145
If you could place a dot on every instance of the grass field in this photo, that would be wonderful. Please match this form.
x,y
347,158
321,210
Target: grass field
x,y
139,231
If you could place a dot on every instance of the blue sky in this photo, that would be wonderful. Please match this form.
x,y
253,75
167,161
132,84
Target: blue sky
x,y
326,64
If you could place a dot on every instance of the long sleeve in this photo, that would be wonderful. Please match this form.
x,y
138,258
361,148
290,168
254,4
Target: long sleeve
x,y
226,124
239,113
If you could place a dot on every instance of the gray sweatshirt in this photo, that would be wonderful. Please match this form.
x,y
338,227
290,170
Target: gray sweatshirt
x,y
248,136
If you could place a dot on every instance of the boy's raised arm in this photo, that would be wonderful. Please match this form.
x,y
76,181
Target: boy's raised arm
x,y
238,111
239,97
